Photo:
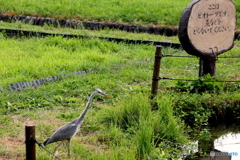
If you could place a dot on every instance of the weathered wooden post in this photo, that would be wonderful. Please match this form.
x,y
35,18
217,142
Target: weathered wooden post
x,y
207,66
30,142
207,29
156,71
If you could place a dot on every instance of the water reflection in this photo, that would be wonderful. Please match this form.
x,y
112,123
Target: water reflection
x,y
224,140
230,143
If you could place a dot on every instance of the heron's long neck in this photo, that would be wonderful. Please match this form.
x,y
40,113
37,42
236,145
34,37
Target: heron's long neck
x,y
81,117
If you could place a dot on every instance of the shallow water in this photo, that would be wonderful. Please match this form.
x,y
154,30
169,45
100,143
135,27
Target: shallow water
x,y
230,143
224,138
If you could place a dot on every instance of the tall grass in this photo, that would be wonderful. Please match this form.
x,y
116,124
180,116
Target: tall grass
x,y
167,126
149,128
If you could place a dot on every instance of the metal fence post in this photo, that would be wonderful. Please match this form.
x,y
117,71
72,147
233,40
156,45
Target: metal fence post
x,y
30,142
156,71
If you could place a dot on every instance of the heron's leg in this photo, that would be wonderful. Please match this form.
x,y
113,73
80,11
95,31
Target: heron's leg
x,y
69,140
57,147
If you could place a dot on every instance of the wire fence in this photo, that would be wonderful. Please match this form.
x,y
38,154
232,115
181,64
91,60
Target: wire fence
x,y
177,79
195,56
21,85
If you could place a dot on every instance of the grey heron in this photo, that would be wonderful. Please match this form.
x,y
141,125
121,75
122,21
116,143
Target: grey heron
x,y
69,130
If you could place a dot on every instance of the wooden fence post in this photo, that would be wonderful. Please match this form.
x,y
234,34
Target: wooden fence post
x,y
156,71
30,142
207,66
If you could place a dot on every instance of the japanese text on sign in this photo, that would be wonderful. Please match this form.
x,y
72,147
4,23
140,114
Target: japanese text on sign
x,y
213,20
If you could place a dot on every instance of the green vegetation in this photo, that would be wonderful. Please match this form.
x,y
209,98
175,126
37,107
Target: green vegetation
x,y
91,33
115,10
128,125
155,12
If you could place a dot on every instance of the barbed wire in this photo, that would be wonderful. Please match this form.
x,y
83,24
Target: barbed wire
x,y
42,146
166,78
36,83
222,81
167,55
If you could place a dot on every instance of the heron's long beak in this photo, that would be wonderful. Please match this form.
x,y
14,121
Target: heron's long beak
x,y
104,94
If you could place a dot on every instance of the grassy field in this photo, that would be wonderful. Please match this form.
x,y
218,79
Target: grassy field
x,y
55,55
127,125
91,33
116,72
115,127
155,12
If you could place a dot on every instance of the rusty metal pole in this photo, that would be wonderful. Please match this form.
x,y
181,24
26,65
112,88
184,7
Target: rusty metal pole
x,y
30,142
156,71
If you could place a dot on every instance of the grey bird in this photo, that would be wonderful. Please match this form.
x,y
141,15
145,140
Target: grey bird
x,y
69,130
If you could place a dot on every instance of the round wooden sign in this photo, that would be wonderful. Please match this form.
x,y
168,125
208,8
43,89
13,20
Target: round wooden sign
x,y
207,27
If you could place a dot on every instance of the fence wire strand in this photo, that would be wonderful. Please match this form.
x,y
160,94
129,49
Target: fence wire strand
x,y
42,146
166,78
168,55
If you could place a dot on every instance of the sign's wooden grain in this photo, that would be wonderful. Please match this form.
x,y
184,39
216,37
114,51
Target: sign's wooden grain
x,y
207,27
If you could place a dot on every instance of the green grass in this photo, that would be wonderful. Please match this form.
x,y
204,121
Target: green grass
x,y
164,12
56,55
53,56
115,127
91,33
128,125
115,10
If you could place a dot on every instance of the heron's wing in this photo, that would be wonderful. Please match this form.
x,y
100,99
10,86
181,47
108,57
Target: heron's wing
x,y
65,132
